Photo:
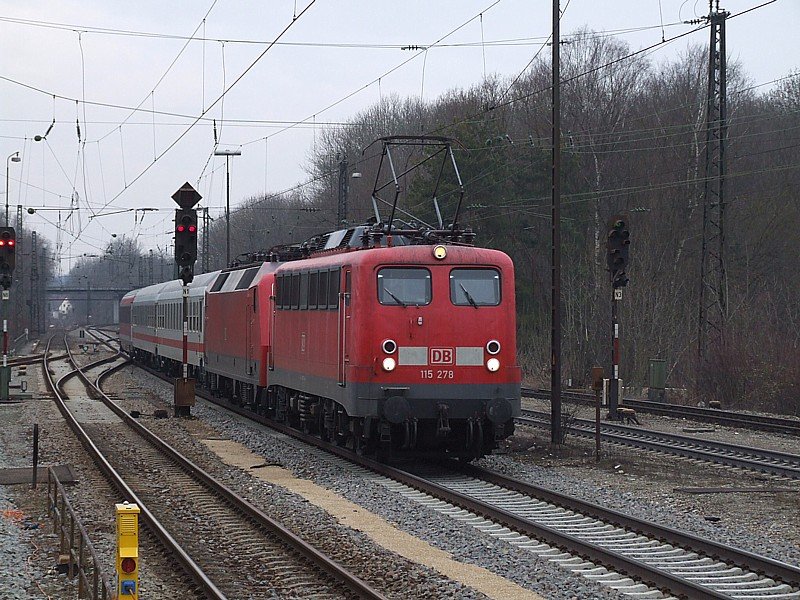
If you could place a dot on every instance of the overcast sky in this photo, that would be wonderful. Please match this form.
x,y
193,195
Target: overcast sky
x,y
332,61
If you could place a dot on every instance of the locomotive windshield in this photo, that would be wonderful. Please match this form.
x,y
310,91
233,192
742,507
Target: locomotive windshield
x,y
475,287
403,287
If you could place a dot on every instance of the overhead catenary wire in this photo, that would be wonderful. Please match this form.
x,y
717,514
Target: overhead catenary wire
x,y
86,195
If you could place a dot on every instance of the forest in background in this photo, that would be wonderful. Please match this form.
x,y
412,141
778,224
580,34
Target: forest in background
x,y
633,134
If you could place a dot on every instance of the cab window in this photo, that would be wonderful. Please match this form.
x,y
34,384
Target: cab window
x,y
404,286
475,287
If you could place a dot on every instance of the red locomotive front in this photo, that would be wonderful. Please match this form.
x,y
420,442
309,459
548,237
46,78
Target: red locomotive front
x,y
414,351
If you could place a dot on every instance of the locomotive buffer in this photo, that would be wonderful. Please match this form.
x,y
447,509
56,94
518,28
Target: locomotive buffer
x,y
185,258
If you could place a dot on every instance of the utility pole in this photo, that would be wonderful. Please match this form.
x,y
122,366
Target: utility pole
x,y
556,436
206,244
34,310
19,305
227,154
713,301
341,214
88,301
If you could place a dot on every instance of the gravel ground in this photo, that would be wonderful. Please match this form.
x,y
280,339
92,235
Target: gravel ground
x,y
464,543
641,484
27,545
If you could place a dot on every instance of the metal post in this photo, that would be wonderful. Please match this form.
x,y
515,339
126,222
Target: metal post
x,y
227,154
713,279
555,316
613,383
597,393
227,212
35,453
185,369
34,309
5,374
184,386
88,300
343,189
13,157
20,238
206,244
597,386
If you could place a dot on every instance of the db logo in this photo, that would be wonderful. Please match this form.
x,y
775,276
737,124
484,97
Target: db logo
x,y
441,356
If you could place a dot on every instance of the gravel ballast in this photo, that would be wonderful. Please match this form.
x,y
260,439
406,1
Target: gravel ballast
x,y
640,484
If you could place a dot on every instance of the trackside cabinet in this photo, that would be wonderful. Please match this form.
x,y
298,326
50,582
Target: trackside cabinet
x,y
127,550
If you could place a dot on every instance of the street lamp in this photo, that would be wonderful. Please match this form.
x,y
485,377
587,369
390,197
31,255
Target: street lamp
x,y
227,154
13,157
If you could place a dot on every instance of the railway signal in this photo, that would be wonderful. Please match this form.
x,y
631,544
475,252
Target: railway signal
x,y
185,256
127,550
8,255
186,242
617,243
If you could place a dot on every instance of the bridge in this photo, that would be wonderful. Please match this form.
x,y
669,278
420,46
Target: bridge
x,y
102,302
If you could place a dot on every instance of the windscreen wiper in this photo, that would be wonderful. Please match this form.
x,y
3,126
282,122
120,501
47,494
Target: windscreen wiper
x,y
396,299
469,298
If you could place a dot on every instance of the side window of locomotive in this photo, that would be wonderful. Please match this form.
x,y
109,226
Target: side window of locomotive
x,y
295,300
398,286
303,290
313,280
280,291
322,290
475,287
333,288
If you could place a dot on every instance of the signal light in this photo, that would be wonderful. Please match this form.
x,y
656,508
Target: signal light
x,y
128,565
617,244
8,257
186,242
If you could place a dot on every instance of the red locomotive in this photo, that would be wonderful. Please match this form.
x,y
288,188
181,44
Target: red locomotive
x,y
371,337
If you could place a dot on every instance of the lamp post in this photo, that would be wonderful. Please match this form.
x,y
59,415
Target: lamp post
x,y
13,157
227,154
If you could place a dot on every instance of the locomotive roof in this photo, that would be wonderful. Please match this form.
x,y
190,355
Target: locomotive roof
x,y
417,254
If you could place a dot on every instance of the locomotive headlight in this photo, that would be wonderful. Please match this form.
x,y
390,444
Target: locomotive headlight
x,y
389,346
492,364
439,252
389,363
493,347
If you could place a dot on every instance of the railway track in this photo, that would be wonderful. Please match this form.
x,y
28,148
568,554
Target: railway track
x,y
592,536
31,359
632,555
228,547
742,457
771,423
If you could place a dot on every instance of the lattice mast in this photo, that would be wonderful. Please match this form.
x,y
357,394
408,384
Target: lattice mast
x,y
713,283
